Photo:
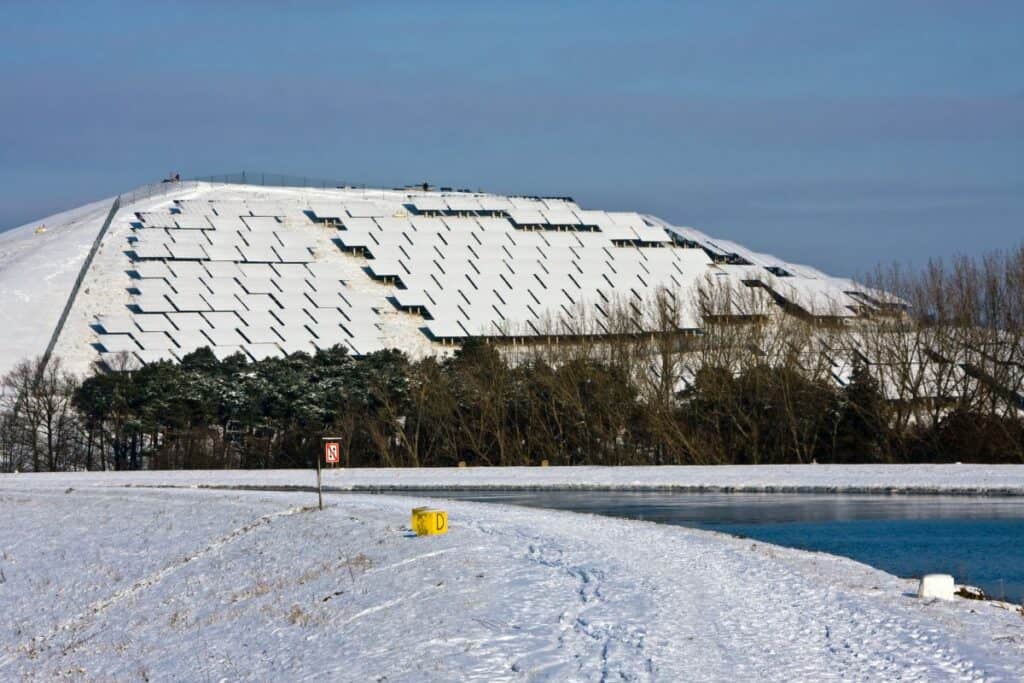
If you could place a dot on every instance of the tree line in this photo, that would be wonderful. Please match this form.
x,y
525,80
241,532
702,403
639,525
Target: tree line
x,y
935,375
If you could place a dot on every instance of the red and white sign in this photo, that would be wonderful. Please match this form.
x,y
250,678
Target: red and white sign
x,y
332,452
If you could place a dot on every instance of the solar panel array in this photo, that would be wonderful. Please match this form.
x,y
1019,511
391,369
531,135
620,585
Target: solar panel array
x,y
248,276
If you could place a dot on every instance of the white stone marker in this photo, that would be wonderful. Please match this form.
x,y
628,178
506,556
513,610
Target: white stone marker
x,y
936,586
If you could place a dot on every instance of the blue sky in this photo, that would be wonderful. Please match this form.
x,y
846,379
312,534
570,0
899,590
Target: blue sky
x,y
837,134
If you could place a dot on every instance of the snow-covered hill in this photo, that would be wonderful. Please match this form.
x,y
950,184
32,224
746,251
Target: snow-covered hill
x,y
101,582
267,271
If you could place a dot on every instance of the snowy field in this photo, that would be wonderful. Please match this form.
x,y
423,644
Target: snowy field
x,y
104,582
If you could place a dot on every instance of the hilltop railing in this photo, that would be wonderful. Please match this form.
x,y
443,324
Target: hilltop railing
x,y
276,180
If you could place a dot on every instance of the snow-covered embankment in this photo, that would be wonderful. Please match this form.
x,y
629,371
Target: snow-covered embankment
x,y
104,582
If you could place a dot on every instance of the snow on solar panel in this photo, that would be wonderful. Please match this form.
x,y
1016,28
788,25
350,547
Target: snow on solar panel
x,y
153,340
258,319
260,224
291,317
429,203
190,237
187,269
561,240
223,253
495,224
259,254
258,335
260,239
527,216
189,302
150,251
157,219
227,207
153,304
385,268
328,298
492,203
493,239
327,210
187,321
257,302
327,315
257,285
116,324
461,224
463,203
366,209
115,343
192,221
222,319
187,251
458,239
152,322
293,285
351,239
327,335
446,329
428,224
560,216
223,336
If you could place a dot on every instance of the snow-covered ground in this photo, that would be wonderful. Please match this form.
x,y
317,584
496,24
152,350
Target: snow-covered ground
x,y
104,582
945,479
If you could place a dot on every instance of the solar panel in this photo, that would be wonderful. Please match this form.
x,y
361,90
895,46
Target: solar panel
x,y
257,302
115,343
222,319
461,224
428,224
359,225
429,204
189,302
329,298
116,324
223,336
258,335
366,210
187,269
155,304
259,254
187,321
152,322
524,216
150,251
261,223
261,239
153,340
192,221
189,237
187,251
293,254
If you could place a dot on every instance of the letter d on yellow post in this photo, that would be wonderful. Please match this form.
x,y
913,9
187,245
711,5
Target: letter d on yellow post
x,y
427,522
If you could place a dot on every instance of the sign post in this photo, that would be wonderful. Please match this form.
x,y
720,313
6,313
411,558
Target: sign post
x,y
332,454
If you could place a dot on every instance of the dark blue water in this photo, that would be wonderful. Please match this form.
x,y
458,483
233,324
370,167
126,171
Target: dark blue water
x,y
980,541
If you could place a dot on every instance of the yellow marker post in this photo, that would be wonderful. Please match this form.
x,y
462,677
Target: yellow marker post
x,y
429,522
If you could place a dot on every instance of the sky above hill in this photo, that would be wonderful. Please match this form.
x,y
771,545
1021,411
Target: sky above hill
x,y
836,134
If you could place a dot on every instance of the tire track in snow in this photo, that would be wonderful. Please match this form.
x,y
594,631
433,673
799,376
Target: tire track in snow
x,y
80,620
